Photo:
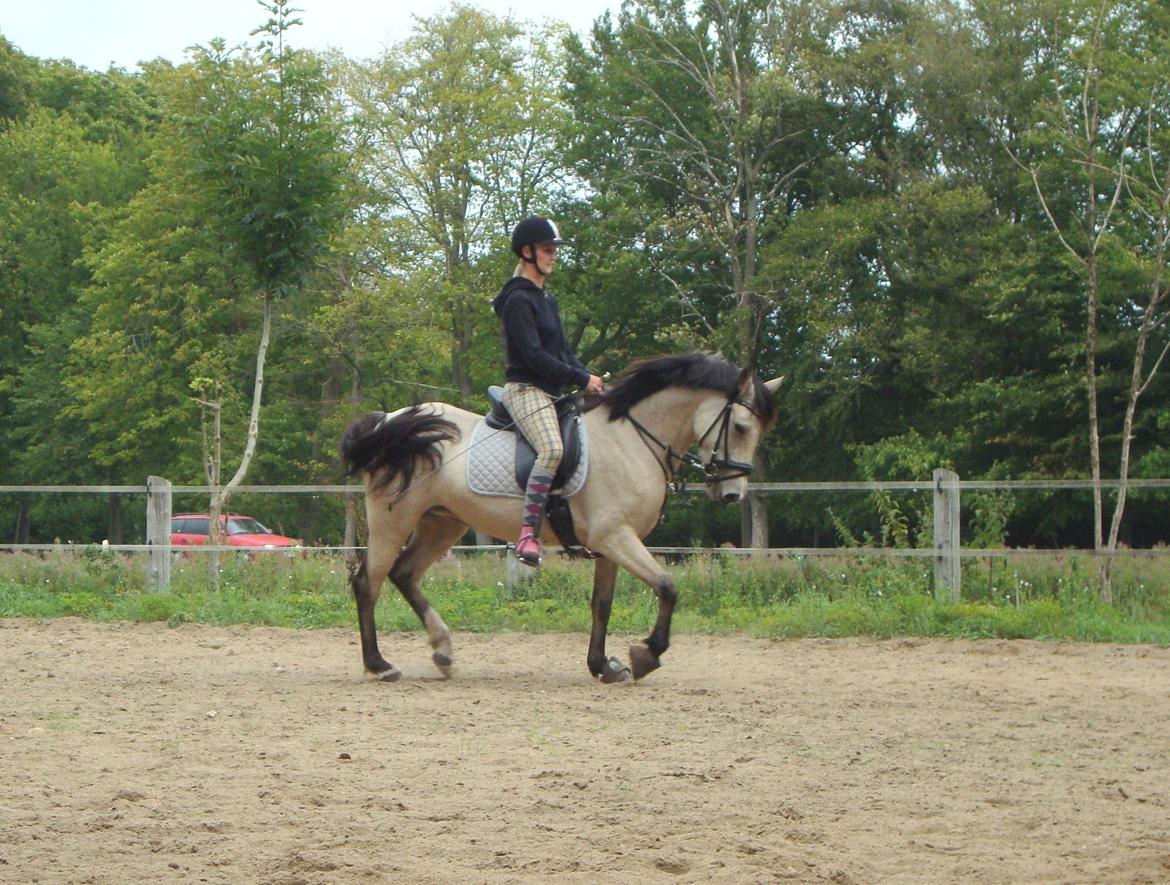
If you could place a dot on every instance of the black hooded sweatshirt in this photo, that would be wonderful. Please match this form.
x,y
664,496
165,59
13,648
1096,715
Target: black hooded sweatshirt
x,y
535,348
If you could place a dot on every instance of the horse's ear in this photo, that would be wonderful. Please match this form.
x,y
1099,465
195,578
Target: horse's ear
x,y
746,384
774,384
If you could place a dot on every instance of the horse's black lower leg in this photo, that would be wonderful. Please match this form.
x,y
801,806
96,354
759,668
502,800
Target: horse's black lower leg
x,y
627,550
645,658
605,668
372,658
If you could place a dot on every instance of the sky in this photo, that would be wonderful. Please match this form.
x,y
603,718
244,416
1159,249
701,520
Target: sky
x,y
99,33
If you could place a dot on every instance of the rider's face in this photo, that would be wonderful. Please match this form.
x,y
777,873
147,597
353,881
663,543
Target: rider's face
x,y
546,257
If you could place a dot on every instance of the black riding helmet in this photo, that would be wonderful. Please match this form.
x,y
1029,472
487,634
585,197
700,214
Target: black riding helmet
x,y
531,231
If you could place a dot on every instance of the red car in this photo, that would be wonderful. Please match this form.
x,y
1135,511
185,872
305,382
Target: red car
x,y
190,529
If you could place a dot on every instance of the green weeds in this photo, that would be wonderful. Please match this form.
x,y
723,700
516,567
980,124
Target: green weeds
x,y
1035,598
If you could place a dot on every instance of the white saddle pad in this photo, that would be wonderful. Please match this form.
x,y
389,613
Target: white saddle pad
x,y
491,464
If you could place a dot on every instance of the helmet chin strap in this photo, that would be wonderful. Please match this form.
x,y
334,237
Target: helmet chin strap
x,y
532,248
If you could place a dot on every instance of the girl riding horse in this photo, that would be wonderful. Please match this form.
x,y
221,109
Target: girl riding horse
x,y
538,364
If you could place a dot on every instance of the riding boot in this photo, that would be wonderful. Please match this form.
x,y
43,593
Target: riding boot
x,y
528,548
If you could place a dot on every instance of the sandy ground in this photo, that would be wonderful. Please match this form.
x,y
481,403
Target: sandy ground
x,y
142,753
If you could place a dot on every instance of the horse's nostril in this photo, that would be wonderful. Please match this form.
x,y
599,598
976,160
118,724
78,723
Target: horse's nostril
x,y
730,497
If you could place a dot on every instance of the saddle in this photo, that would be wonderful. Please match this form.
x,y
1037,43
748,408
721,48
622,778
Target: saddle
x,y
569,419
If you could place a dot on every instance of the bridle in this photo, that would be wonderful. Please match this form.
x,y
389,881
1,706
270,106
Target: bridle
x,y
714,465
713,469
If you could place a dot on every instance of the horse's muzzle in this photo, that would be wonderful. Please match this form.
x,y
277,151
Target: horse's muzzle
x,y
729,497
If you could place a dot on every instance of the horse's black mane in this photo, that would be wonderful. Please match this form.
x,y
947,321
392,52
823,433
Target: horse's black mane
x,y
696,370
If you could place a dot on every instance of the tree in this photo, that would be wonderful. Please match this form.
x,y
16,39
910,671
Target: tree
x,y
70,151
17,72
267,151
710,121
456,118
1102,57
1148,187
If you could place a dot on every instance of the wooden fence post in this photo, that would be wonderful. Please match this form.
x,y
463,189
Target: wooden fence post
x,y
948,574
516,573
158,534
759,507
753,521
351,519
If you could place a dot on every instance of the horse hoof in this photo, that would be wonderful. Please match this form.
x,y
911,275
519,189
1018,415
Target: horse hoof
x,y
444,663
389,674
644,660
615,671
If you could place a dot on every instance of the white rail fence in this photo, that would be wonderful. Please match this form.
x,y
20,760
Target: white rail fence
x,y
945,486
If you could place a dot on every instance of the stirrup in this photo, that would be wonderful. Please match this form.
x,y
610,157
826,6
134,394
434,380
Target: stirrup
x,y
528,550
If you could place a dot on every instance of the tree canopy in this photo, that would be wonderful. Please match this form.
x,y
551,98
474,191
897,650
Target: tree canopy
x,y
945,222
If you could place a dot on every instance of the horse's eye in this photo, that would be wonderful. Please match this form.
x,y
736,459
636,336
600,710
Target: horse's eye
x,y
740,428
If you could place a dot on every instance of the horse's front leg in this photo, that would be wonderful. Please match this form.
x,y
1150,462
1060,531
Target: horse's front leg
x,y
627,550
605,668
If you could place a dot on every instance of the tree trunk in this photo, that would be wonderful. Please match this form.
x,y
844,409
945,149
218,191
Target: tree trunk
x,y
1095,429
221,497
352,515
23,523
1138,381
462,330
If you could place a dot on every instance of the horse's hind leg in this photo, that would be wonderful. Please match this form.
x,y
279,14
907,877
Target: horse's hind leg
x,y
365,594
388,531
431,539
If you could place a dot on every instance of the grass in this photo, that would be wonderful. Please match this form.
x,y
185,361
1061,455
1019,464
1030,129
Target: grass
x,y
1051,598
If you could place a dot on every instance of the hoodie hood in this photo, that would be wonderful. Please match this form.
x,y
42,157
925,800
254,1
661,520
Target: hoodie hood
x,y
511,286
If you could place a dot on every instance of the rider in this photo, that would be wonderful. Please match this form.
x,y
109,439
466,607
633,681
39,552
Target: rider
x,y
538,363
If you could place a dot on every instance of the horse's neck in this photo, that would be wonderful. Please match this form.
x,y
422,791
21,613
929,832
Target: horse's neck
x,y
670,415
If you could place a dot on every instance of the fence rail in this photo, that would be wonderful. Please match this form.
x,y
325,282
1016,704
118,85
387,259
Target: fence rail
x,y
804,552
689,488
946,488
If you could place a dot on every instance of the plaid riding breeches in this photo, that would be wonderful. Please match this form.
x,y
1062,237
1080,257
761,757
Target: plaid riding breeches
x,y
536,417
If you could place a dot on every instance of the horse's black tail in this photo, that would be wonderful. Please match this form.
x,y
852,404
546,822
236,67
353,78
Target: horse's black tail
x,y
391,447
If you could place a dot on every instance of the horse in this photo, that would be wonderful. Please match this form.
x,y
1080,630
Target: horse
x,y
639,432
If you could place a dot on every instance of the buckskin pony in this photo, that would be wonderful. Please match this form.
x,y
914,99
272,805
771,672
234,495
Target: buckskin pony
x,y
639,432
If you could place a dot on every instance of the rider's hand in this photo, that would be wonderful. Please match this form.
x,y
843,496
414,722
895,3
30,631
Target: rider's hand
x,y
595,385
